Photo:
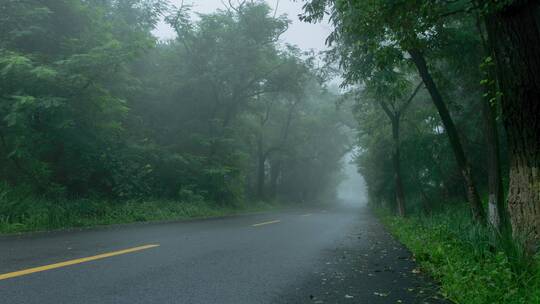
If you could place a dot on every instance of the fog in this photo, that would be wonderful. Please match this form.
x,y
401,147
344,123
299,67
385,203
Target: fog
x,y
352,190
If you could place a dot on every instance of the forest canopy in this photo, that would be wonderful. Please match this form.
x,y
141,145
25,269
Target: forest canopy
x,y
93,105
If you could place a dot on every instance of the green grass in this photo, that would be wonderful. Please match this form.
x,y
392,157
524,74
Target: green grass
x,y
473,264
34,214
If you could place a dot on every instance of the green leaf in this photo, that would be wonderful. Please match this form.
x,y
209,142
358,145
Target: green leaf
x,y
44,73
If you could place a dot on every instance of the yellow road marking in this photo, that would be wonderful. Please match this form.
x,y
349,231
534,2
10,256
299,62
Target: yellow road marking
x,y
72,262
266,223
307,214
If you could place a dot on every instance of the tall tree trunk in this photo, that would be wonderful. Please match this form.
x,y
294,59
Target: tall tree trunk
x,y
450,128
497,214
515,33
497,206
395,116
400,197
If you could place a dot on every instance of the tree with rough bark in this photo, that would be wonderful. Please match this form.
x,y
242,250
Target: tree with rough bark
x,y
513,28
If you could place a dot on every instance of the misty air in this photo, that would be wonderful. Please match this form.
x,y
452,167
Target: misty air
x,y
269,151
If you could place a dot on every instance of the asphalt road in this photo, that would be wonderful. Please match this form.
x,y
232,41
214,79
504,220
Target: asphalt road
x,y
275,257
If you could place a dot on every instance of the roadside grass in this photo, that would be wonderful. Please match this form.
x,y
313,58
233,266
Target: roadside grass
x,y
473,264
24,214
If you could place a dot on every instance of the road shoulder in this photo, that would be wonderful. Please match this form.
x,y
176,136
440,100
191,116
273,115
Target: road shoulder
x,y
367,266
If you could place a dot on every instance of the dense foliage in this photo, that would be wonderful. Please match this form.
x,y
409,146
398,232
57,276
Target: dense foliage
x,y
92,105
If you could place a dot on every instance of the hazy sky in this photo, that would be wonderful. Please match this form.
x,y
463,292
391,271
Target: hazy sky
x,y
305,35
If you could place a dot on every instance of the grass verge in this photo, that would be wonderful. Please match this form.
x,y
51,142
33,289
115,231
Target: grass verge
x,y
32,214
473,264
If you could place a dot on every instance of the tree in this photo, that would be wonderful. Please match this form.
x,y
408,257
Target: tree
x,y
387,88
375,34
63,78
513,29
394,113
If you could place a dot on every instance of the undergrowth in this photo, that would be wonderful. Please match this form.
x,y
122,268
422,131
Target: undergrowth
x,y
474,264
20,213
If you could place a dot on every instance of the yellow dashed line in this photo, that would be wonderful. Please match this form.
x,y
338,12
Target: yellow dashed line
x,y
266,223
72,262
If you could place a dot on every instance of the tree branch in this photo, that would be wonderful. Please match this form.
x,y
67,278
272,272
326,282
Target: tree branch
x,y
387,110
408,102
